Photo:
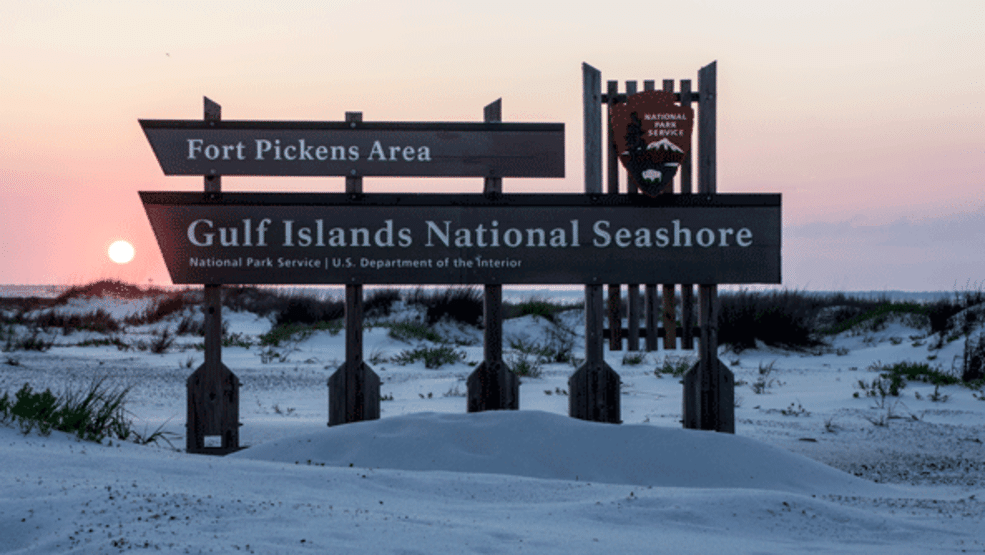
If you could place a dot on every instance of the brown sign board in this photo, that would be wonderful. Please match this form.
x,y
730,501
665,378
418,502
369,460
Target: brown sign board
x,y
298,238
404,149
652,135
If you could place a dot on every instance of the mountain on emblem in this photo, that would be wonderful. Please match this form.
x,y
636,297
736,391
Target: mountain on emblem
x,y
664,144
653,135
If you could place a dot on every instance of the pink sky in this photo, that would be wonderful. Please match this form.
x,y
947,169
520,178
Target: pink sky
x,y
867,116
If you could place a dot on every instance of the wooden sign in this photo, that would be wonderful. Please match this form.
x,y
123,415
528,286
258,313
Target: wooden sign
x,y
653,135
267,238
285,148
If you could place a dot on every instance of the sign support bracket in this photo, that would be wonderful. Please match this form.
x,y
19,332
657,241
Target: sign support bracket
x,y
615,289
687,289
709,386
492,385
594,389
354,389
632,289
213,390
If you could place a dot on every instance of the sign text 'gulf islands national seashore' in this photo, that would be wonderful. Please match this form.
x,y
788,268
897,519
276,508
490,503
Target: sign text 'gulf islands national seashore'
x,y
413,239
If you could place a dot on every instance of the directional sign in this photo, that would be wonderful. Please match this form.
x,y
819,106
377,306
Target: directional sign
x,y
284,148
445,239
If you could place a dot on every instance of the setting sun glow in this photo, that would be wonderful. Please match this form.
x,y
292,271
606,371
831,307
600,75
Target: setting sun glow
x,y
121,252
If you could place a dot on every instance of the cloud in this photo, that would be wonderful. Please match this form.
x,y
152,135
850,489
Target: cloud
x,y
907,253
951,229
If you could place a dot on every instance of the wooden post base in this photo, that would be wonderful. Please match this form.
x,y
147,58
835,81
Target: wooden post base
x,y
213,411
593,394
492,386
353,395
709,404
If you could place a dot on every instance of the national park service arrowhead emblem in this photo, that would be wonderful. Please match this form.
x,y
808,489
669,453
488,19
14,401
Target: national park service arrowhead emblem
x,y
652,134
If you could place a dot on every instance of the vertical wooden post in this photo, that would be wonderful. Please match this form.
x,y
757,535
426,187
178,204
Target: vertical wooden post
x,y
687,289
492,385
354,389
612,168
669,289
669,313
591,114
213,390
631,188
594,388
650,309
633,289
651,321
709,386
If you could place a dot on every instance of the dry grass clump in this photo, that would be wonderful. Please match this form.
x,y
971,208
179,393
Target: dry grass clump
x,y
159,310
93,414
535,306
97,320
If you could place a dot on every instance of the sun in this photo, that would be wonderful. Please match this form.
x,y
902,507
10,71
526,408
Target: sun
x,y
121,252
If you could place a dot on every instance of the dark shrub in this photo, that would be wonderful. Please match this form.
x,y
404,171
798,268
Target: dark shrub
x,y
777,318
36,341
306,310
944,311
252,299
106,287
13,310
973,368
189,325
162,342
460,304
379,302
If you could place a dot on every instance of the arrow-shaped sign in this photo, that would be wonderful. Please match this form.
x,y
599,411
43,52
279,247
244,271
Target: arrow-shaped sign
x,y
286,148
